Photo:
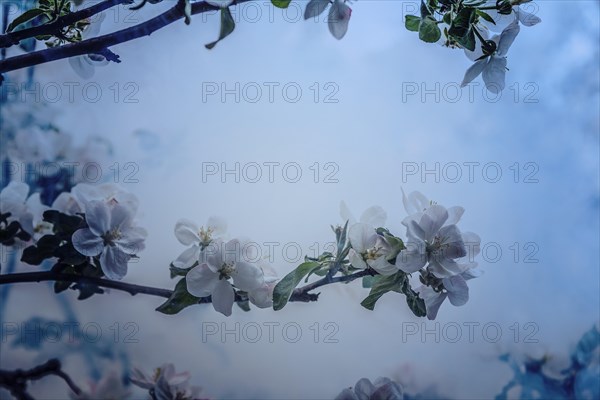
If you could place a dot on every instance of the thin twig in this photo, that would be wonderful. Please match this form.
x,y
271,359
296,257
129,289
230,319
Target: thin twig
x,y
16,381
101,43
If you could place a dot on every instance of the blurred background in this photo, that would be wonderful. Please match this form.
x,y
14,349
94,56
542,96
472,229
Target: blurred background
x,y
356,120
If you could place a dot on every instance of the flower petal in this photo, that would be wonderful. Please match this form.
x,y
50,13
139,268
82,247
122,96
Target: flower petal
x,y
374,216
507,38
201,281
433,300
217,224
132,240
114,262
454,215
188,257
362,237
247,277
526,18
356,260
315,8
223,297
415,202
87,242
413,258
458,291
431,222
382,266
474,71
388,391
339,17
346,214
364,389
97,216
494,74
187,232
120,217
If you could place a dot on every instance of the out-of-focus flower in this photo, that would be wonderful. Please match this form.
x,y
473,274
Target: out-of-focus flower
x,y
220,262
85,65
166,384
34,145
382,388
111,235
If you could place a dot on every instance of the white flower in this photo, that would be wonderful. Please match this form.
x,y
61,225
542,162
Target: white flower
x,y
454,288
107,192
382,388
416,203
504,20
339,15
109,387
33,145
493,66
368,248
262,297
12,200
66,203
219,262
431,240
188,234
85,65
165,383
110,235
36,209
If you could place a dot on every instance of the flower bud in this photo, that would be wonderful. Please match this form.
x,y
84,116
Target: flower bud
x,y
504,7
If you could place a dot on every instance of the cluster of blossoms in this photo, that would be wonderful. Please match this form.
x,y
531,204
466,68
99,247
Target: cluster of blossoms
x,y
382,388
435,248
217,267
439,251
166,384
111,233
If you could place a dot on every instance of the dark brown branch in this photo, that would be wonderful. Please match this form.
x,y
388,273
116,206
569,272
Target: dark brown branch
x,y
100,43
12,38
301,294
16,381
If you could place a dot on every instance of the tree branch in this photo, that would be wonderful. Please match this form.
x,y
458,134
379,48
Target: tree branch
x,y
16,381
100,43
13,38
301,294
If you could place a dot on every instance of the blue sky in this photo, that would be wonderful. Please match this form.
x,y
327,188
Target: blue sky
x,y
370,135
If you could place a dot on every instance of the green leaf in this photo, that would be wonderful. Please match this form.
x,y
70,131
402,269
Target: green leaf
x,y
468,41
425,11
382,285
227,26
175,271
179,300
411,22
415,303
283,290
281,3
367,281
486,16
43,249
429,31
244,304
26,16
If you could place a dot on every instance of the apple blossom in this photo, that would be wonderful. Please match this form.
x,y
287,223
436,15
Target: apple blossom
x,y
111,235
454,288
218,263
198,238
382,388
166,384
492,64
13,200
